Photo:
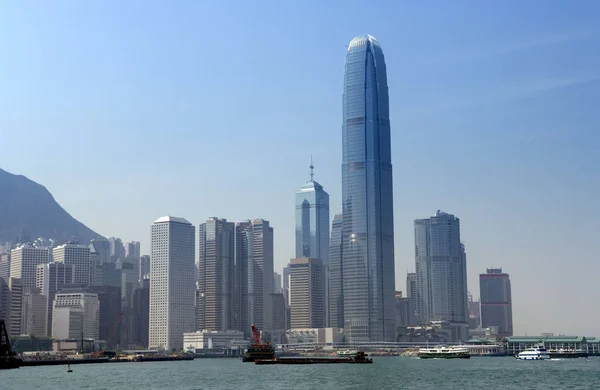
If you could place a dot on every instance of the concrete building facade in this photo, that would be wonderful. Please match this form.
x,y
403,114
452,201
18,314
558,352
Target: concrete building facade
x,y
307,293
172,285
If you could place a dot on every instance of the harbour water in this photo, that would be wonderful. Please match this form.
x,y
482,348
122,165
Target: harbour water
x,y
385,373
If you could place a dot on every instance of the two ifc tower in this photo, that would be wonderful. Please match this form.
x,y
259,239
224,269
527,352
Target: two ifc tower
x,y
359,268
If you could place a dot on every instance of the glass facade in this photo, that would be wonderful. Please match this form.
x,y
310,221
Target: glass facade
x,y
367,198
441,273
312,222
336,284
216,262
312,228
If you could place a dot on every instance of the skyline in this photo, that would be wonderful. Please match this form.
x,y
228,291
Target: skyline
x,y
502,120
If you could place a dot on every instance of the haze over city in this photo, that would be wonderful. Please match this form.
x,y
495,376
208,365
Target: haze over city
x,y
127,112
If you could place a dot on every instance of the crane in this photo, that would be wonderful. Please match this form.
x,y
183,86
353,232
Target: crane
x,y
256,337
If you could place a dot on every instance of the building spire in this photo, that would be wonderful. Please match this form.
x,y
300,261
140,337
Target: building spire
x,y
312,167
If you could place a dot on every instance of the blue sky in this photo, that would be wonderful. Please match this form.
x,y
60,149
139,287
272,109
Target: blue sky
x,y
127,111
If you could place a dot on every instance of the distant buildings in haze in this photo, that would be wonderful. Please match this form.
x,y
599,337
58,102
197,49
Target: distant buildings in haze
x,y
496,301
441,273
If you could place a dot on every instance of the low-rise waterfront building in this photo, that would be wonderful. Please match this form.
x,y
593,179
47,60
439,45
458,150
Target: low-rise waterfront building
x,y
328,336
516,344
204,339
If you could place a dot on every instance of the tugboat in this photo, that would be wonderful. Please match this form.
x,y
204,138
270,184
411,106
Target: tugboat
x,y
257,349
8,358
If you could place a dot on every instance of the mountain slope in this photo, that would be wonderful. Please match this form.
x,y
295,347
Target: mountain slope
x,y
28,206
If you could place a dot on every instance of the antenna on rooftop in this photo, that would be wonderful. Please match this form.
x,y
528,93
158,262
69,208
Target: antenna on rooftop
x,y
312,167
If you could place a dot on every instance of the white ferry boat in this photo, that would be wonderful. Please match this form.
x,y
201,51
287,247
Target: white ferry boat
x,y
536,353
444,352
346,353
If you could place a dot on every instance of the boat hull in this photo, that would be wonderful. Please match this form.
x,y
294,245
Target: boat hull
x,y
444,356
568,355
313,361
8,364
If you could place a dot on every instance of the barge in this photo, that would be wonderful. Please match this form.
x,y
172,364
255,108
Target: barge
x,y
359,358
258,350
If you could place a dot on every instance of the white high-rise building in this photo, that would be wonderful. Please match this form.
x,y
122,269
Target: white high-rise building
x,y
172,284
24,262
75,314
79,257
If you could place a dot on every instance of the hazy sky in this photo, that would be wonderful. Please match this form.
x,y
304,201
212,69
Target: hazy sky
x,y
127,111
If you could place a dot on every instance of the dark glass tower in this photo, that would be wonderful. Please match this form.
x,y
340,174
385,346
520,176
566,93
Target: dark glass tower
x,y
368,227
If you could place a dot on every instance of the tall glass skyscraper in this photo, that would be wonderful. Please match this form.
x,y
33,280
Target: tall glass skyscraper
x,y
441,273
312,227
367,203
312,221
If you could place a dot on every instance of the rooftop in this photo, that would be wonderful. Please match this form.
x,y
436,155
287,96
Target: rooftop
x,y
362,40
168,218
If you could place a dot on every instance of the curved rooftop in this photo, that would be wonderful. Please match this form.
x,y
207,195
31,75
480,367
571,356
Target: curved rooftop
x,y
362,41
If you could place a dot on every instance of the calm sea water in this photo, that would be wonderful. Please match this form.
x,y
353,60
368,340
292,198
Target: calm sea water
x,y
385,373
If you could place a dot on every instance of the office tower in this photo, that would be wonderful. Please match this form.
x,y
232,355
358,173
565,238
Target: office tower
x,y
336,282
102,247
4,301
51,278
5,266
496,301
117,250
367,201
141,316
76,315
254,278
33,315
279,312
110,318
79,257
129,284
277,286
15,285
132,249
172,286
312,225
94,262
145,267
307,293
474,312
216,262
411,285
312,220
441,273
108,274
412,294
405,310
24,262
